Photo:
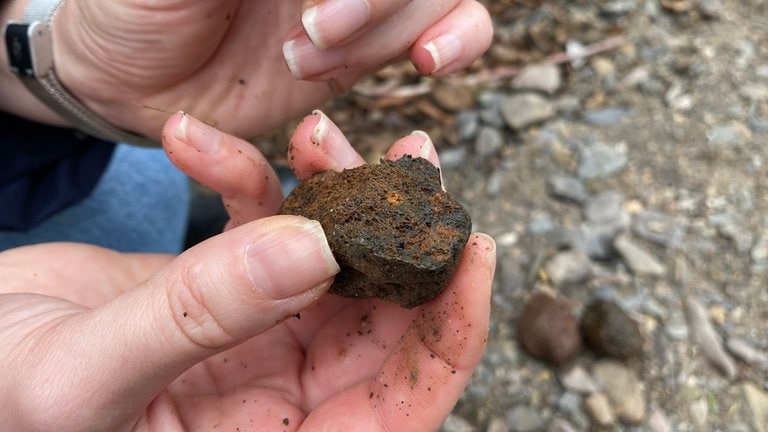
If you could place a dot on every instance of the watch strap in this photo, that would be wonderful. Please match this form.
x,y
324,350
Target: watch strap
x,y
30,55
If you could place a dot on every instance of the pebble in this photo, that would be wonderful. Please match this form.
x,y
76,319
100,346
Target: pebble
x,y
605,209
452,97
599,409
569,267
524,419
568,188
489,141
606,115
542,77
759,252
711,9
639,261
699,411
600,160
658,228
577,379
525,109
623,388
757,402
548,331
561,425
658,422
455,423
745,352
705,336
609,330
467,124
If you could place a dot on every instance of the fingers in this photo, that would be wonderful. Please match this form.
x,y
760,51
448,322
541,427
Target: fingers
x,y
230,166
212,297
423,377
374,47
328,22
455,41
318,145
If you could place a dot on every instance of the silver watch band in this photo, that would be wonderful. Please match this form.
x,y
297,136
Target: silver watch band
x,y
30,55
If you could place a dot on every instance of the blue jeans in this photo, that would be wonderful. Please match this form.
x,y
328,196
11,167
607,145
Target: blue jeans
x,y
140,204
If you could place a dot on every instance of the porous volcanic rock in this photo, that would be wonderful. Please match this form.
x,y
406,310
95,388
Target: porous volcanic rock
x,y
394,232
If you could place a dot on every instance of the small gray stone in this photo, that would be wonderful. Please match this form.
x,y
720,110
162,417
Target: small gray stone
x,y
567,187
705,336
745,352
711,9
489,141
525,109
561,425
759,252
600,161
658,422
658,228
698,411
605,209
467,124
757,401
569,267
606,115
497,425
524,419
543,77
624,390
638,260
576,379
455,423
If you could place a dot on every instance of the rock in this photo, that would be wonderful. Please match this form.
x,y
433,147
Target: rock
x,y
748,354
699,410
600,161
711,9
548,331
757,402
394,232
576,379
542,77
489,141
569,268
561,425
705,336
638,260
605,209
452,97
497,425
610,331
567,187
522,110
467,125
606,115
599,409
524,419
658,422
455,423
759,252
658,228
624,390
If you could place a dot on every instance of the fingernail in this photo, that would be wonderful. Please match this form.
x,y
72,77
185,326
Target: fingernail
x,y
333,143
305,60
444,49
293,258
197,134
427,148
333,20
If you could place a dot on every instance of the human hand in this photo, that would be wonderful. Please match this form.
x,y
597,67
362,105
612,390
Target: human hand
x,y
223,61
97,340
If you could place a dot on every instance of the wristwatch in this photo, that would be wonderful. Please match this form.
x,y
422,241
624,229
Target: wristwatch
x,y
30,56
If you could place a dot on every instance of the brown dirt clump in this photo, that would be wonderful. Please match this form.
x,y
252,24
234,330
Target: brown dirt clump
x,y
394,232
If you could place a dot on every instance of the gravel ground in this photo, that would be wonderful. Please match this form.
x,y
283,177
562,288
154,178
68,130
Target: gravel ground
x,y
628,186
615,150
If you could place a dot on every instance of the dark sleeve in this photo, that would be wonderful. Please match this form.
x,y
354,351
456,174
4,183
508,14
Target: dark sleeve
x,y
44,169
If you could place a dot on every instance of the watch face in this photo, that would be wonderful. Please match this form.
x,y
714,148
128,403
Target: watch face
x,y
18,47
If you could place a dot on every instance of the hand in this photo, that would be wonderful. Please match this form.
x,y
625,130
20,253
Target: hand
x,y
223,61
236,332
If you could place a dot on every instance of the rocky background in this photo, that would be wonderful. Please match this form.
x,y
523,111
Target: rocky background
x,y
616,151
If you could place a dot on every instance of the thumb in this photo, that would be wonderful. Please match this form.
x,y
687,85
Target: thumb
x,y
234,286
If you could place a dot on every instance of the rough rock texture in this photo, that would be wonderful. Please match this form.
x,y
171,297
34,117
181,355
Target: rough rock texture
x,y
394,232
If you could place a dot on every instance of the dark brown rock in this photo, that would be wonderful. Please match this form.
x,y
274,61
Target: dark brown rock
x,y
548,331
610,331
394,232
